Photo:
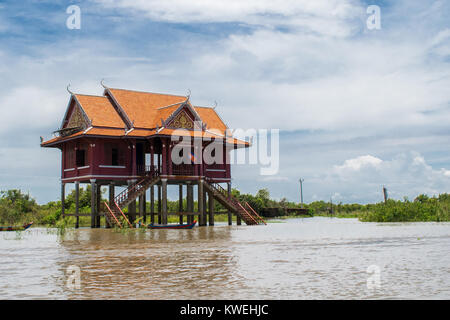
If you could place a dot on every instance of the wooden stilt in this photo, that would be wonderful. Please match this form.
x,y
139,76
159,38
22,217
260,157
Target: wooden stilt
x,y
200,202
211,208
159,204
63,198
98,194
77,204
180,202
190,202
141,206
164,200
205,208
144,206
93,202
230,214
111,202
132,207
152,204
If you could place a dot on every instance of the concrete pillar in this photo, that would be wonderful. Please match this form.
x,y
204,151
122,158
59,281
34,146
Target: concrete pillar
x,y
93,202
77,204
211,208
164,200
141,205
190,202
180,202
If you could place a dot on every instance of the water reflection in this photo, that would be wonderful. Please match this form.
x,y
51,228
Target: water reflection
x,y
314,258
156,264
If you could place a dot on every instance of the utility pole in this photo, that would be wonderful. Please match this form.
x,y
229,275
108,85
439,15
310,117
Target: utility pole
x,y
301,192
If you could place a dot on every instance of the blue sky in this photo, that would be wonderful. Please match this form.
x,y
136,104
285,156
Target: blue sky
x,y
356,108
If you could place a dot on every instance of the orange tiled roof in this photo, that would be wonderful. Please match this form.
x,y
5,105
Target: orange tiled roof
x,y
142,107
100,111
211,118
144,110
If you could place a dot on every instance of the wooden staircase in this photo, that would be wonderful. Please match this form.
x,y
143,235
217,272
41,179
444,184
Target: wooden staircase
x,y
114,214
249,215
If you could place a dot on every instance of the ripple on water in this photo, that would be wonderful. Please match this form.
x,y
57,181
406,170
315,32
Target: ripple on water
x,y
313,258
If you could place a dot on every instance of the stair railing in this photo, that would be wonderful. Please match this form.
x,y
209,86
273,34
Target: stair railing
x,y
113,215
124,195
123,215
255,213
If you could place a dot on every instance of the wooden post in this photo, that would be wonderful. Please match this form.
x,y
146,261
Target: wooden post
x,y
211,208
164,200
133,164
190,202
111,202
132,207
200,202
152,157
230,214
159,204
169,157
93,202
144,206
205,208
63,198
152,204
180,202
164,157
77,204
98,194
141,205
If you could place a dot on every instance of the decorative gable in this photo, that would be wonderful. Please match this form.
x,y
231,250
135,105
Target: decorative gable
x,y
182,120
76,119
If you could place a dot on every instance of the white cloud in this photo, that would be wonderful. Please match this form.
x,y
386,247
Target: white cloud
x,y
360,162
407,174
320,73
328,17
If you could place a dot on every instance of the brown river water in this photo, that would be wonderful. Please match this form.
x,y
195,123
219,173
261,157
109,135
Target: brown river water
x,y
309,258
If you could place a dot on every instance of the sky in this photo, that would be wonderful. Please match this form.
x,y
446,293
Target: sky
x,y
357,108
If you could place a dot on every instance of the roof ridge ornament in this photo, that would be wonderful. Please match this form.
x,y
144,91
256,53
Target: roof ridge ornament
x,y
188,95
103,84
215,105
67,88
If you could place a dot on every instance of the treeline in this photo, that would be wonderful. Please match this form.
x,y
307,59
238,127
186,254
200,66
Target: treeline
x,y
17,207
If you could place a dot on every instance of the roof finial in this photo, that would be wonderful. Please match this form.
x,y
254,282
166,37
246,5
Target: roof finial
x,y
189,94
215,105
68,89
103,85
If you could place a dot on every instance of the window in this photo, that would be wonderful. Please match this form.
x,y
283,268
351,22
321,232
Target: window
x,y
81,158
114,156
